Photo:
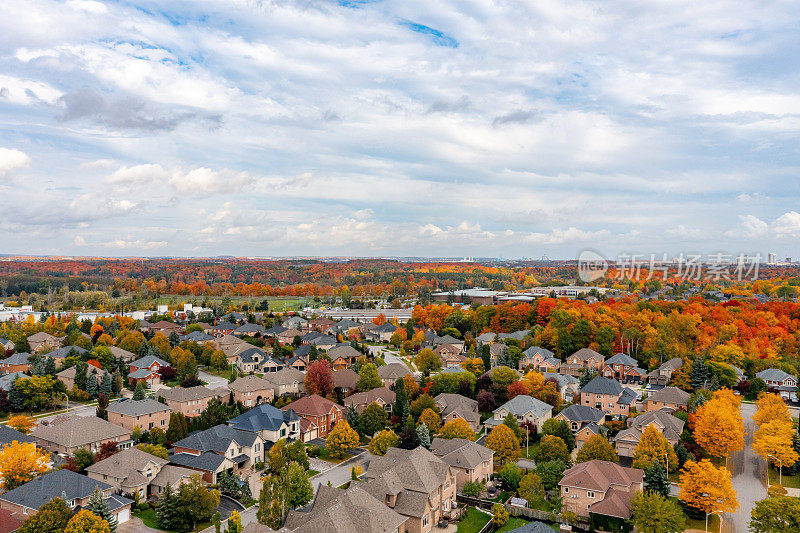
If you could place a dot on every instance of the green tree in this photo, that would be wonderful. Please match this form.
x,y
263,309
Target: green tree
x,y
552,448
368,378
166,509
98,505
499,515
510,421
427,360
139,393
298,487
701,375
652,513
51,517
424,436
656,479
551,473
196,503
271,503
372,419
559,428
178,428
401,404
425,401
597,447
511,475
776,514
296,452
530,486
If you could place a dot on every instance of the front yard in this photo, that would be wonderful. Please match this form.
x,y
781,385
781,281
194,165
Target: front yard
x,y
790,482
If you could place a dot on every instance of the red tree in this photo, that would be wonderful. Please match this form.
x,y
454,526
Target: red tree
x,y
319,378
107,449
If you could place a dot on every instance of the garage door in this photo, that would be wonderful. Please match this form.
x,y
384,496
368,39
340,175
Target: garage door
x,y
123,516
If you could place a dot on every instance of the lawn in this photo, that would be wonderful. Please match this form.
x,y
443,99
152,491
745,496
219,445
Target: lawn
x,y
312,472
713,524
531,451
501,498
791,482
541,504
472,521
324,454
514,522
148,517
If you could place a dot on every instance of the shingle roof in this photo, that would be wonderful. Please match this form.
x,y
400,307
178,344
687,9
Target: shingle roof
x,y
519,405
584,354
226,326
209,461
603,385
346,378
390,328
533,350
286,376
172,474
532,527
670,395
186,394
343,350
393,371
249,384
668,425
351,510
16,359
8,435
583,413
368,397
621,359
75,431
461,453
314,405
773,374
140,373
7,380
53,484
148,360
217,439
137,407
128,465
262,417
64,351
600,475
197,336
250,328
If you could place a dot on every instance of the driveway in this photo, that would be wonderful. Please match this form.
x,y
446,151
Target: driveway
x,y
135,525
214,382
749,477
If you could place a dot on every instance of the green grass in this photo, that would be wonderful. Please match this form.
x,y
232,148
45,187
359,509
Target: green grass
x,y
311,472
472,521
149,519
500,498
541,504
713,523
531,451
791,482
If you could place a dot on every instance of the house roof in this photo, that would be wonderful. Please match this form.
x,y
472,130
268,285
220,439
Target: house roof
x,y
343,350
41,337
346,378
248,384
208,461
603,385
600,475
668,425
518,335
148,360
217,439
9,435
670,395
324,340
584,354
486,337
583,413
129,465
562,379
774,374
187,394
119,352
249,328
262,417
53,484
197,336
390,328
462,406
533,350
172,474
519,405
532,527
621,359
286,376
74,431
314,405
64,351
137,407
352,510
275,330
393,371
7,380
141,373
368,397
461,453
225,326
16,359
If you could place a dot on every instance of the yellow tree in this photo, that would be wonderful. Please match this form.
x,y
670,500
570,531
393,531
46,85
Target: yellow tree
x,y
431,419
457,429
341,439
381,442
504,443
770,407
718,426
474,365
87,522
20,462
652,448
708,488
22,423
773,442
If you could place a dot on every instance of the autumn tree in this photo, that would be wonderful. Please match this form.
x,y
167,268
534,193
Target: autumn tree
x,y
774,442
530,486
552,448
341,439
20,462
382,441
51,517
431,419
597,447
87,522
425,401
652,513
503,442
427,360
653,447
457,429
499,515
718,426
770,407
319,378
368,377
22,423
707,488
372,419
776,514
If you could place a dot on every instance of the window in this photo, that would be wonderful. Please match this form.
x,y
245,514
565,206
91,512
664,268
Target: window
x,y
566,490
425,520
590,494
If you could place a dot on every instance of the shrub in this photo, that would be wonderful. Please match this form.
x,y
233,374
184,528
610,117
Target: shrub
x,y
473,488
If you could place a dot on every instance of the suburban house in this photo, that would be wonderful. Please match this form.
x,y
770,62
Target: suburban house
x,y
540,359
297,362
666,424
249,330
567,385
269,422
129,471
607,394
197,336
146,414
271,365
287,336
670,397
66,434
784,383
392,372
383,396
342,356
449,355
586,358
382,333
146,370
191,401
243,448
7,380
600,487
208,465
231,346
223,328
623,368
469,460
287,381
415,483
6,344
318,411
583,420
75,488
251,390
251,359
171,475
17,362
322,324
346,380
662,374
165,327
525,408
43,341
59,354
353,510
296,322
454,406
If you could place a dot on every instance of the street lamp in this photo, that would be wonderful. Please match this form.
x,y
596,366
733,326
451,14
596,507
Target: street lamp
x,y
667,458
720,519
780,468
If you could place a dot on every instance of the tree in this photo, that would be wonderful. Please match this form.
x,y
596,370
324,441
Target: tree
x,y
271,503
372,419
178,427
352,416
296,452
653,513
102,404
106,384
425,401
552,448
654,448
427,361
51,517
298,487
341,438
511,476
87,522
196,502
20,462
707,488
98,506
657,480
486,401
368,378
551,473
473,488
770,407
92,388
776,514
431,419
559,428
234,523
166,510
424,436
157,436
597,447
154,449
718,425
22,423
81,370
319,378
504,444
774,442
382,441
401,405
530,486
499,515
107,449
139,393
510,421
701,375
457,429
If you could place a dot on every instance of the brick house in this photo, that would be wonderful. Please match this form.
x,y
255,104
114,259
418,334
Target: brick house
x,y
191,401
608,395
392,372
129,471
319,411
449,355
600,487
455,406
623,368
469,460
66,434
43,341
525,409
666,424
251,390
670,397
540,359
17,362
243,448
146,370
145,414
587,358
583,420
383,396
662,374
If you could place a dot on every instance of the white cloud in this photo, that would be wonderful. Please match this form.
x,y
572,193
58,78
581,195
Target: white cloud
x,y
561,236
11,159
749,227
138,244
788,225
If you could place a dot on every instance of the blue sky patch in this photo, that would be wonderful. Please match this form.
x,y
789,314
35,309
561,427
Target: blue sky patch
x,y
436,36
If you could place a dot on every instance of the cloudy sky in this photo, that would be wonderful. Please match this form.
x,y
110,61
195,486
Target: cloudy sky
x,y
413,127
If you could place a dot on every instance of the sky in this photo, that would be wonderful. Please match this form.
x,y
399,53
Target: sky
x,y
522,128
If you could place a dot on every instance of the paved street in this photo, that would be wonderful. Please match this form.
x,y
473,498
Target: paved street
x,y
82,410
340,473
749,471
